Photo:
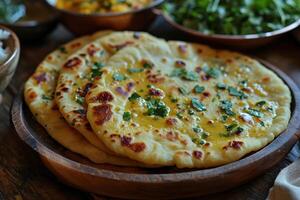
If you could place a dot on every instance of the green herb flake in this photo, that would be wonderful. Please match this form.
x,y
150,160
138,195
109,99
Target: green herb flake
x,y
184,74
79,99
260,103
199,89
179,115
157,108
197,105
96,69
213,72
235,92
127,116
118,77
48,98
255,113
148,65
134,96
183,91
221,86
226,107
135,70
197,130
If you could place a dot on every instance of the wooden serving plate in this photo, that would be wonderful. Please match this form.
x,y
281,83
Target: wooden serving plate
x,y
162,183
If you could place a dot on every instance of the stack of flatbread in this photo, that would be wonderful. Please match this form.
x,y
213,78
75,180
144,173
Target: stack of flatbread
x,y
131,99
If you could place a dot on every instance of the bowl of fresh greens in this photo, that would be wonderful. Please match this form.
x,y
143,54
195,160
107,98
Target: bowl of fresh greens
x,y
239,23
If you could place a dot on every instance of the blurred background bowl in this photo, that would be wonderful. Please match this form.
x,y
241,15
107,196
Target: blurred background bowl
x,y
234,41
81,24
8,67
39,20
296,34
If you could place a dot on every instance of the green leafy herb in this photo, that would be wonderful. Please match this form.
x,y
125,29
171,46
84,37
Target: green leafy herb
x,y
48,98
135,70
148,65
183,91
157,108
134,96
79,99
254,112
197,130
226,107
235,92
260,103
239,17
221,86
213,72
127,116
184,74
198,141
96,69
197,105
118,77
232,129
199,89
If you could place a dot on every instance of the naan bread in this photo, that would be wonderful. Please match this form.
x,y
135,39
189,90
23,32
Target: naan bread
x,y
78,73
39,96
186,105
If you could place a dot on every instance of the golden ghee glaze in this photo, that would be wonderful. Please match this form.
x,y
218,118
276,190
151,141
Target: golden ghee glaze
x,y
186,105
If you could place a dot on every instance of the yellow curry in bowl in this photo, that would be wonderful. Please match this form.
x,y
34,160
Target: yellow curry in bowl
x,y
102,6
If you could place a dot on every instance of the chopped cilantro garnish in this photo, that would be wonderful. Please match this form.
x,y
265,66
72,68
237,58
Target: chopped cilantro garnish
x,y
197,130
213,72
157,108
79,99
134,96
260,103
204,135
198,89
198,141
135,70
191,112
183,91
184,74
118,77
231,126
179,115
221,86
191,76
197,105
244,83
48,98
127,116
235,92
254,112
224,118
232,129
226,107
262,123
148,65
96,69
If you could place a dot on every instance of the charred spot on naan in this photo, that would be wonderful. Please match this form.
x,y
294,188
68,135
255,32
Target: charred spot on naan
x,y
73,63
102,113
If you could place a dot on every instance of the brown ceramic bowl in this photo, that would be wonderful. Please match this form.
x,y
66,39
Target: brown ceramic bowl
x,y
234,41
8,67
39,21
81,24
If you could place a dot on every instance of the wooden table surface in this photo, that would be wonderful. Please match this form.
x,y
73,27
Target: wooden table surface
x,y
22,175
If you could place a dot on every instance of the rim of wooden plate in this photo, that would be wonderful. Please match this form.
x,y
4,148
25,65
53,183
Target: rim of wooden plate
x,y
285,140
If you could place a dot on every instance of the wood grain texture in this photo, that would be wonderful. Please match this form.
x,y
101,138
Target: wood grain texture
x,y
14,154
